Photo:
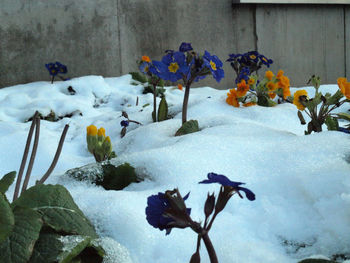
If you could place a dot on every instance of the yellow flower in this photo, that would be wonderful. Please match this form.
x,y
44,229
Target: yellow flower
x,y
286,92
250,103
299,96
272,95
251,81
232,98
146,59
101,132
269,75
271,86
242,88
344,87
91,130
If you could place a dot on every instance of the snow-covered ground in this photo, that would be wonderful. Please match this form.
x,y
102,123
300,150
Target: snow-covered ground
x,y
302,183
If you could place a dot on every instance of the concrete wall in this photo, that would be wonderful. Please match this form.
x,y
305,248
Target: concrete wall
x,y
106,37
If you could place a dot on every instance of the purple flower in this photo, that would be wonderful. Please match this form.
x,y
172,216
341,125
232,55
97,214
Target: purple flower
x,y
61,68
52,68
224,181
157,207
265,60
184,47
124,123
214,64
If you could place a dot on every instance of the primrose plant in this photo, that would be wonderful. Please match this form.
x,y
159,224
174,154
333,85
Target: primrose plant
x,y
188,66
98,144
168,210
252,91
55,69
320,115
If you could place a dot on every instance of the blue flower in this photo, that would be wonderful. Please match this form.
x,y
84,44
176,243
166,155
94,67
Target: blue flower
x,y
224,181
214,64
184,47
265,60
157,206
52,68
253,56
61,68
233,57
172,67
124,123
243,74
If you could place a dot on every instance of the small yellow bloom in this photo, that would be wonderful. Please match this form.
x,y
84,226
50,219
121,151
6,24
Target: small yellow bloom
x,y
250,103
271,86
269,75
146,59
232,98
101,132
299,96
108,139
213,65
344,87
242,88
91,130
251,81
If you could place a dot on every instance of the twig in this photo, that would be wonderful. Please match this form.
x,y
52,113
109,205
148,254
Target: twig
x,y
57,155
24,158
32,157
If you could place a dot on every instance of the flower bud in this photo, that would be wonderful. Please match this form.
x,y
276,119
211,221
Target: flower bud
x,y
209,205
195,258
101,134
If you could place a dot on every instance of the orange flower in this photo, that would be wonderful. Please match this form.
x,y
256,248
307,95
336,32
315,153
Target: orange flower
x,y
344,87
299,96
272,95
250,103
284,84
286,93
271,86
279,74
242,88
179,86
146,59
269,75
232,98
91,130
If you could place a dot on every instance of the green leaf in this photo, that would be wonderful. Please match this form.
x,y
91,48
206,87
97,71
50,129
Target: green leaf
x,y
312,103
263,101
163,110
188,127
332,123
52,247
18,247
7,220
117,178
6,181
58,209
335,98
138,76
344,116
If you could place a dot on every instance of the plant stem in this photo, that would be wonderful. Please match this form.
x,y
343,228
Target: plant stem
x,y
155,102
211,221
57,155
185,103
210,248
24,158
32,156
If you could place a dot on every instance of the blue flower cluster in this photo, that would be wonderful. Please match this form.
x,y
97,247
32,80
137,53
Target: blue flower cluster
x,y
247,63
55,69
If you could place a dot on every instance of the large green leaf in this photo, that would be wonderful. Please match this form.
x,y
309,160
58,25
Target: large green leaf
x,y
18,247
188,127
58,209
117,178
7,220
52,247
6,181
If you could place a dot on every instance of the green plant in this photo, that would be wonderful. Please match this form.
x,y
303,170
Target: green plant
x,y
98,144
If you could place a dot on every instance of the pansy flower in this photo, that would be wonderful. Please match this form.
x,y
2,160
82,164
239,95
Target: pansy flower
x,y
214,64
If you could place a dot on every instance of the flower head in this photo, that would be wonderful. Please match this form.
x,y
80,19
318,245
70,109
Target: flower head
x,y
124,123
214,64
224,181
243,74
91,130
264,60
179,86
269,74
300,97
344,87
146,59
172,67
253,56
52,68
61,68
242,88
232,98
184,47
157,211
101,132
271,86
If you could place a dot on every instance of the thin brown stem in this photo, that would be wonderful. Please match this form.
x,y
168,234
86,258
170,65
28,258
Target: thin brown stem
x,y
57,155
211,221
32,157
210,248
185,103
24,158
155,102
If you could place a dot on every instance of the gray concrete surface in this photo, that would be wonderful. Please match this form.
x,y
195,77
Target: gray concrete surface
x,y
106,37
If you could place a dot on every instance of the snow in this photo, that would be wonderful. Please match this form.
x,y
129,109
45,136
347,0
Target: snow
x,y
302,183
